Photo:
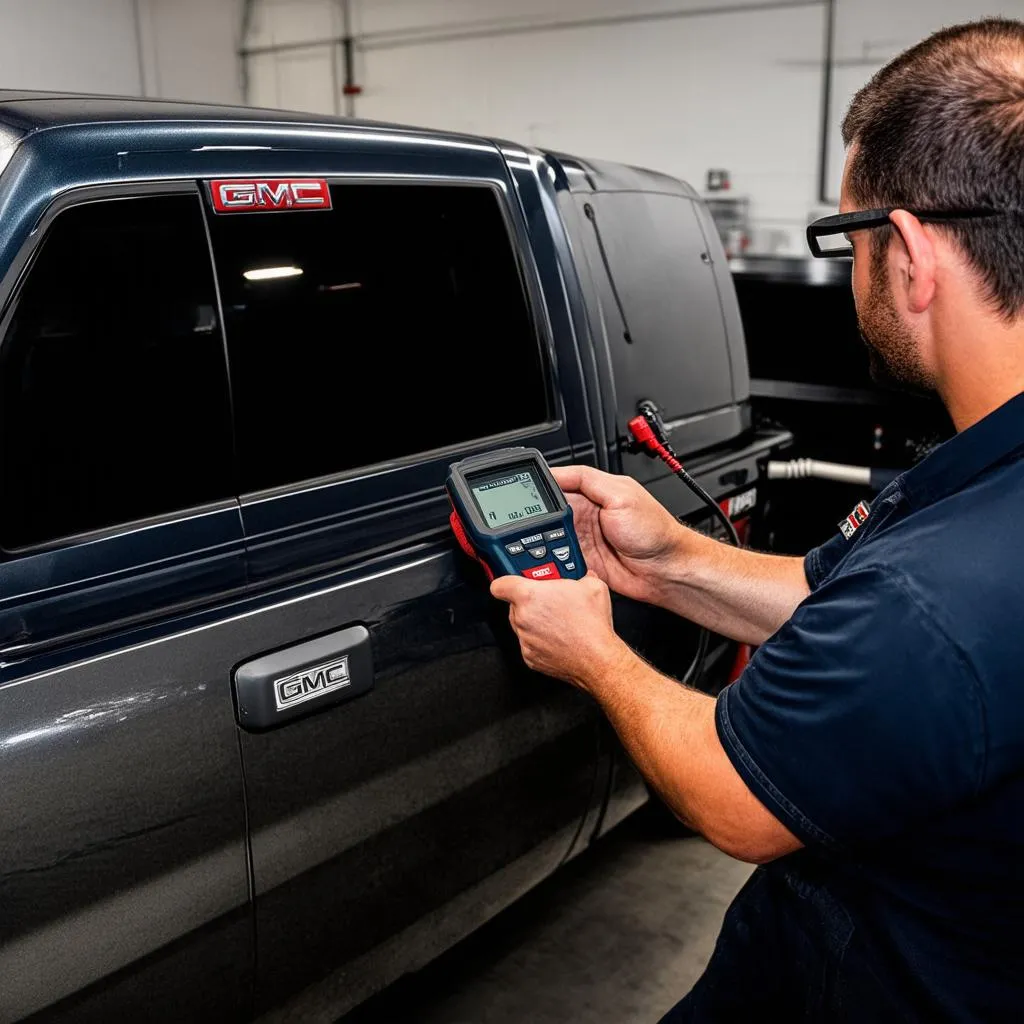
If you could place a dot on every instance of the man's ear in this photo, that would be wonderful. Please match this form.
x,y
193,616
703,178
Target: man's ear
x,y
921,260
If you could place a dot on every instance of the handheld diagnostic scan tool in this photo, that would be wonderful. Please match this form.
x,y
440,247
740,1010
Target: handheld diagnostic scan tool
x,y
510,515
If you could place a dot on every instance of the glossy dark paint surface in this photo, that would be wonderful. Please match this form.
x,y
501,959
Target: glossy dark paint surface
x,y
155,861
123,842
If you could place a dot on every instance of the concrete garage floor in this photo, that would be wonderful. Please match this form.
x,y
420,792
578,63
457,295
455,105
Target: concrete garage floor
x,y
619,935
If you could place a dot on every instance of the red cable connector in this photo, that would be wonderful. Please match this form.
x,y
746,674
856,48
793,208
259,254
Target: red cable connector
x,y
647,441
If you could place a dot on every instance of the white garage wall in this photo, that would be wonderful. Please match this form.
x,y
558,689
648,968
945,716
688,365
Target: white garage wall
x,y
733,84
306,78
190,49
721,88
185,49
678,95
84,45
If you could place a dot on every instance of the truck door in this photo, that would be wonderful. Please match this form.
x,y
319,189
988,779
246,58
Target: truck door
x,y
399,802
656,276
123,872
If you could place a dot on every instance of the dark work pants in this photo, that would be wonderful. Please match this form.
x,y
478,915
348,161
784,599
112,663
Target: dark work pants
x,y
784,955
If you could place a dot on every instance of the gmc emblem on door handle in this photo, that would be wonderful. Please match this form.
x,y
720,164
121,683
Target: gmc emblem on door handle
x,y
307,678
312,683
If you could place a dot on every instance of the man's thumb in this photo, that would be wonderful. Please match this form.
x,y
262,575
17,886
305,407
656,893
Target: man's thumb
x,y
509,588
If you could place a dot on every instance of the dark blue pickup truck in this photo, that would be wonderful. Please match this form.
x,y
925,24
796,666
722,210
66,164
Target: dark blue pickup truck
x,y
238,351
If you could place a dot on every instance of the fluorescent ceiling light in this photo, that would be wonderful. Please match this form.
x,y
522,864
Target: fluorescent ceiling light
x,y
271,273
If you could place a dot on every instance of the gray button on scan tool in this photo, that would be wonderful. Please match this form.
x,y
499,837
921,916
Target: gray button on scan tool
x,y
562,554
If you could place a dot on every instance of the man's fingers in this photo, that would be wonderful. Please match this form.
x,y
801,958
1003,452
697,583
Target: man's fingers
x,y
511,588
577,502
601,488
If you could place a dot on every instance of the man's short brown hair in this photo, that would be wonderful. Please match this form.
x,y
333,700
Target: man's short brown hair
x,y
942,127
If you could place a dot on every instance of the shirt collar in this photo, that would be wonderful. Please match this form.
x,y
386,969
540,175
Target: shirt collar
x,y
999,437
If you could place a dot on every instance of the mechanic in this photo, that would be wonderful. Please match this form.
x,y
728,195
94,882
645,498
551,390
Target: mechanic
x,y
871,756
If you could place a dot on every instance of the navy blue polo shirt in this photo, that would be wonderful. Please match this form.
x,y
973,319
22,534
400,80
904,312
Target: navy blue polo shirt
x,y
883,724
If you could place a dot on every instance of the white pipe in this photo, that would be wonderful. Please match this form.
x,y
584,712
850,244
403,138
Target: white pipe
x,y
799,469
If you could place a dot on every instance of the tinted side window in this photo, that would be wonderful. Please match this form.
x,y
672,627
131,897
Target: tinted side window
x,y
112,378
393,324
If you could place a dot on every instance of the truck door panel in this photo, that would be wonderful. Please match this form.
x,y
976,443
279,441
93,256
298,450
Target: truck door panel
x,y
458,763
417,333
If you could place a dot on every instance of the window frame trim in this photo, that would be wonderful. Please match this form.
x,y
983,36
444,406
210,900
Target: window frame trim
x,y
11,287
529,281
378,469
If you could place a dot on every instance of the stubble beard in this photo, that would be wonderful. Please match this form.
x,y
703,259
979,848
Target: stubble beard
x,y
893,356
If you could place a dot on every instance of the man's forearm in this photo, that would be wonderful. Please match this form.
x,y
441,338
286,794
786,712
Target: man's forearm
x,y
658,721
744,595
669,732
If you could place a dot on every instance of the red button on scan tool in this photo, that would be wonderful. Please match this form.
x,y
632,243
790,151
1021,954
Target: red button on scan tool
x,y
548,571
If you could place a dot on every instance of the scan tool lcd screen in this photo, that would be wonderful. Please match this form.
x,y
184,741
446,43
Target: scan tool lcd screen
x,y
510,496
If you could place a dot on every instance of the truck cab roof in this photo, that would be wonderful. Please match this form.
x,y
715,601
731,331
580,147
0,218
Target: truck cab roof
x,y
23,112
26,111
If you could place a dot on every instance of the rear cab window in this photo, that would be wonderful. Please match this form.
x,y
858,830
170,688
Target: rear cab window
x,y
392,324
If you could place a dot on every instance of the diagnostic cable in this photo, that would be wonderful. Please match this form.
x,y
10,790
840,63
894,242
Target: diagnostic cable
x,y
648,435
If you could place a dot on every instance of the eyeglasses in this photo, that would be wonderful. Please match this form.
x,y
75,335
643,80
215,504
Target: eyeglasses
x,y
836,230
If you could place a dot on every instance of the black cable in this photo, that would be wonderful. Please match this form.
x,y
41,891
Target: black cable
x,y
650,435
716,509
697,665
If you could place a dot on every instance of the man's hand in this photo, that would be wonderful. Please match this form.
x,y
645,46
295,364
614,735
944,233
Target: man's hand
x,y
564,626
628,538
638,548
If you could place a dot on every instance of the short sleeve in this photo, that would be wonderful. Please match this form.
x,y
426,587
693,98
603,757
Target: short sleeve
x,y
820,561
859,717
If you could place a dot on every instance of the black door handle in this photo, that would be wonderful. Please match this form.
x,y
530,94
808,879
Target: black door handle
x,y
303,679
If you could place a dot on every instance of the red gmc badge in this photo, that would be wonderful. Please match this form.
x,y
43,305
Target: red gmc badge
x,y
255,195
